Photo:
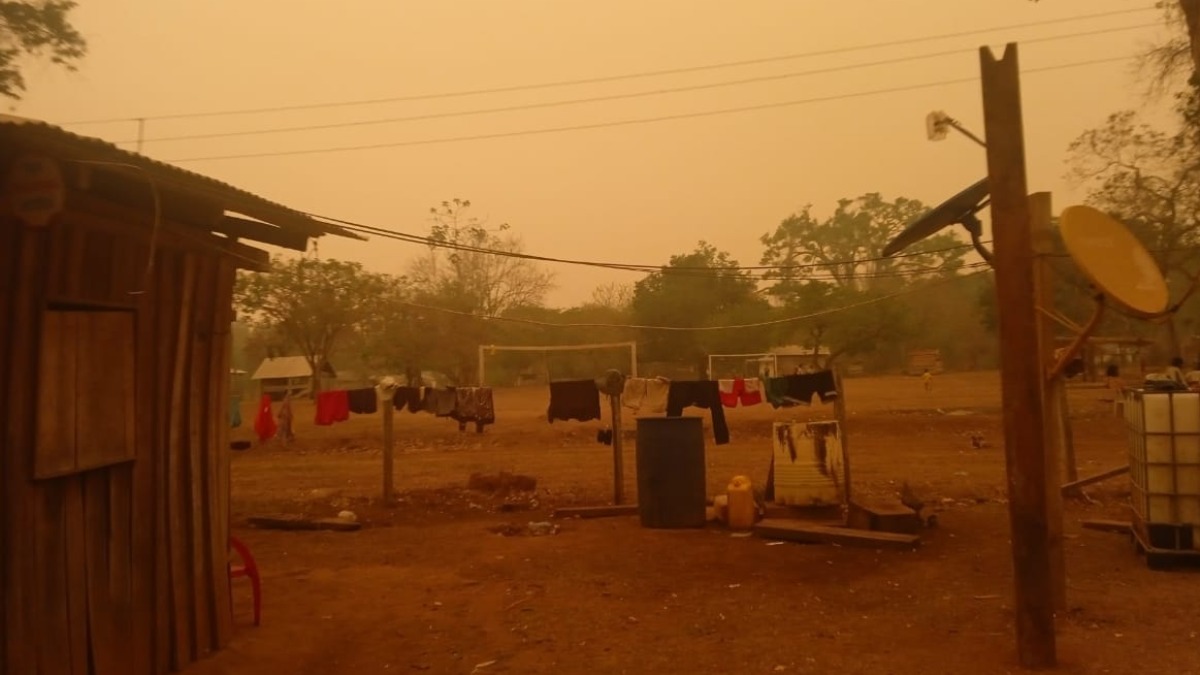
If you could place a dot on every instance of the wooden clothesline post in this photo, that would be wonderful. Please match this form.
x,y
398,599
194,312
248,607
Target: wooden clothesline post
x,y
618,446
612,384
839,411
386,393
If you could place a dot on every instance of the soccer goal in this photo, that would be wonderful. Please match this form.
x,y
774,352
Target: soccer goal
x,y
514,365
729,366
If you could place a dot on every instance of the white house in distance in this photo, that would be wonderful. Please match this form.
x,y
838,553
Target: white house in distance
x,y
280,375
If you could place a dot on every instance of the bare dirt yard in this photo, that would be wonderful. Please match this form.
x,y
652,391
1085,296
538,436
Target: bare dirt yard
x,y
431,584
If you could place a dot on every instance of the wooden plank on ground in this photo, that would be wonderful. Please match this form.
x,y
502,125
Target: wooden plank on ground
x,y
289,522
789,530
1098,478
1115,526
596,511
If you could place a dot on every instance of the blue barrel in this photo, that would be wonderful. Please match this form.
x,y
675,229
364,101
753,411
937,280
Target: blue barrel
x,y
670,472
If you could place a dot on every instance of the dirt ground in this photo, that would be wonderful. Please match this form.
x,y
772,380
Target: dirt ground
x,y
430,586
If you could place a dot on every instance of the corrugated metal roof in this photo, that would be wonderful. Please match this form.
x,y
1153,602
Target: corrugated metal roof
x,y
65,145
282,367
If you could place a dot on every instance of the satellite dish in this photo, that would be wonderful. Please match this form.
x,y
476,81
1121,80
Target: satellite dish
x,y
960,208
1113,260
936,127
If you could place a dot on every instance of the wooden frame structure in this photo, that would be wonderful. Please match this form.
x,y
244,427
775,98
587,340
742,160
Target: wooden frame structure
x,y
116,283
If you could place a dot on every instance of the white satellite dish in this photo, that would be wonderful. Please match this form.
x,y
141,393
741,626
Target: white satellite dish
x,y
1114,260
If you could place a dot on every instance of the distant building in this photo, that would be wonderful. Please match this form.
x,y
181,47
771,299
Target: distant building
x,y
918,361
277,377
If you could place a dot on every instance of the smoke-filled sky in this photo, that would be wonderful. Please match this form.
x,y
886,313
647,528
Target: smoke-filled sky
x,y
830,105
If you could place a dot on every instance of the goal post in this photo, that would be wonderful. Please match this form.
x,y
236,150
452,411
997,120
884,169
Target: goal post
x,y
741,365
485,350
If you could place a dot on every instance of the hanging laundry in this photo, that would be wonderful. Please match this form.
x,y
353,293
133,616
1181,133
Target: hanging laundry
x,y
363,401
701,394
440,402
574,400
332,406
775,389
474,404
285,420
803,387
739,390
235,412
752,394
409,397
646,395
264,422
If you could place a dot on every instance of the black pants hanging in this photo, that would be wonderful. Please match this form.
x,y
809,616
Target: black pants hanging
x,y
701,394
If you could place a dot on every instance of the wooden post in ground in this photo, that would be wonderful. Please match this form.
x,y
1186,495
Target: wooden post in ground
x,y
388,409
1021,375
618,446
839,410
1041,214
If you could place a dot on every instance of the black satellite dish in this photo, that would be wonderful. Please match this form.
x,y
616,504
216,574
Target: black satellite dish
x,y
961,208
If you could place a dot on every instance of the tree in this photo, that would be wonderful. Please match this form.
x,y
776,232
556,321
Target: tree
x,y
38,28
697,289
844,249
835,264
1150,180
311,304
612,296
471,270
472,267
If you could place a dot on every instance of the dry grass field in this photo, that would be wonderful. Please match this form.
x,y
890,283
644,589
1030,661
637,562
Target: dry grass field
x,y
427,585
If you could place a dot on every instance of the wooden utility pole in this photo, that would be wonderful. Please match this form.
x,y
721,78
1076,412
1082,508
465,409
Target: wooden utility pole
x,y
1041,214
1021,372
386,394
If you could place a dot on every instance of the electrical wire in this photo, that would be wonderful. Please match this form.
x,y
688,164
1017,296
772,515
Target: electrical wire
x,y
758,324
608,97
614,78
633,267
636,121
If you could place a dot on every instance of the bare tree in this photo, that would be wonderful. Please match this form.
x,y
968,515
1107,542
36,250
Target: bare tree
x,y
471,268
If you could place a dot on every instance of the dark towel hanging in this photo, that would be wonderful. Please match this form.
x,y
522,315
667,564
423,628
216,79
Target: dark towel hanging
x,y
574,400
701,394
363,401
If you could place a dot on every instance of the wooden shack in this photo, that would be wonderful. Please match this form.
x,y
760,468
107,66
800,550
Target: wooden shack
x,y
116,281
280,375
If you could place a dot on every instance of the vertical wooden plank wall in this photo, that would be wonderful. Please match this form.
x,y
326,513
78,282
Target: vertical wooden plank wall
x,y
121,569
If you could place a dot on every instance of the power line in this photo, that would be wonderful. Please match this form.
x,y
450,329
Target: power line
x,y
632,267
613,97
613,78
636,121
757,324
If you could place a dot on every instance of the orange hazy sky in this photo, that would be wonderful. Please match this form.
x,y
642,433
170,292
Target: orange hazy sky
x,y
632,193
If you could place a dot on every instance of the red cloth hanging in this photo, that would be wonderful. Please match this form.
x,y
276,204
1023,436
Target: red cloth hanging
x,y
332,406
264,422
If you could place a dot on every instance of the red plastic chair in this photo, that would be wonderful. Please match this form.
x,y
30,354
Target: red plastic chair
x,y
248,568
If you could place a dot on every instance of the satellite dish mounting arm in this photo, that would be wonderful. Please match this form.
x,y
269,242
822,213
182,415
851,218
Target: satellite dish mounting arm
x,y
1072,350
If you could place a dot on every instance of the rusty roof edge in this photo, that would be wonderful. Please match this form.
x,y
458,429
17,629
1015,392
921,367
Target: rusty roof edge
x,y
86,148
